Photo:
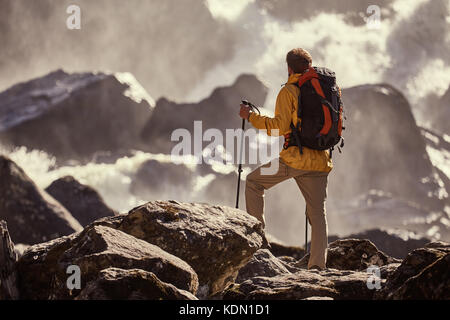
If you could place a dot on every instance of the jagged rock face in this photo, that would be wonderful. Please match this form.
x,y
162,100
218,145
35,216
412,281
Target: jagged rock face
x,y
216,241
220,111
395,243
352,254
384,148
423,274
33,216
263,263
72,116
8,258
95,249
82,201
337,284
133,284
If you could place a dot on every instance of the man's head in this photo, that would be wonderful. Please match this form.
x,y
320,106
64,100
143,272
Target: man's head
x,y
298,60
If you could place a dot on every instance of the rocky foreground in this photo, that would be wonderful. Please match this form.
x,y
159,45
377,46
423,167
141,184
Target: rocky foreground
x,y
81,249
189,251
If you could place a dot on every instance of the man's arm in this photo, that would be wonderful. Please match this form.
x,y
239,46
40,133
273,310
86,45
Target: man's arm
x,y
283,115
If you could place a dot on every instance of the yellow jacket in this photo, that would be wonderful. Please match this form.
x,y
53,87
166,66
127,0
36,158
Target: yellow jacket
x,y
285,113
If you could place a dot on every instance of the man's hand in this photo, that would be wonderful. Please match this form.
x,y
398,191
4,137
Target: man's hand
x,y
244,113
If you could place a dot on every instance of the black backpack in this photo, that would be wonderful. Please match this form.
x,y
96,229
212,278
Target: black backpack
x,y
320,109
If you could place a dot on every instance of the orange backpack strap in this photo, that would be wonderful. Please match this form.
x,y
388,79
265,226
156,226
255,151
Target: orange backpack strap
x,y
326,111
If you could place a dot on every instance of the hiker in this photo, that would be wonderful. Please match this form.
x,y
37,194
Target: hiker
x,y
300,159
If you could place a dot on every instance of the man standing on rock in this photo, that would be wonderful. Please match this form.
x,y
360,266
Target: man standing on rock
x,y
309,168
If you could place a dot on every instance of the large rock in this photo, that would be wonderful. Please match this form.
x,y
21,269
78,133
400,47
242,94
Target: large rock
x,y
423,274
353,254
432,283
72,116
8,258
82,201
218,111
215,240
33,216
394,242
263,263
337,284
95,249
133,284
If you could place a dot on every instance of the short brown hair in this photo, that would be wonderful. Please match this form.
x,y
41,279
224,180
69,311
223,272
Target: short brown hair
x,y
299,60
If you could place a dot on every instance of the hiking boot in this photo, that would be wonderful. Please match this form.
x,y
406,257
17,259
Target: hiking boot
x,y
315,268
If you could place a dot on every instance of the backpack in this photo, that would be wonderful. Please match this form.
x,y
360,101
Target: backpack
x,y
320,109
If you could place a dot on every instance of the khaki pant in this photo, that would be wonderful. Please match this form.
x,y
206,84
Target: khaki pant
x,y
312,184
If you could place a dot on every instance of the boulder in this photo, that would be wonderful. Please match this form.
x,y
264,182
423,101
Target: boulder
x,y
215,240
352,254
337,284
419,275
432,283
218,111
95,249
73,116
33,216
83,202
8,259
263,263
396,243
131,284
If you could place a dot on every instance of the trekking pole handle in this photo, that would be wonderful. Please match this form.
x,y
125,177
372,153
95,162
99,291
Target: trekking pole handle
x,y
251,105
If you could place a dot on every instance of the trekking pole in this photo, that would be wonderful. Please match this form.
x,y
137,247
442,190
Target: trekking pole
x,y
253,107
240,165
306,233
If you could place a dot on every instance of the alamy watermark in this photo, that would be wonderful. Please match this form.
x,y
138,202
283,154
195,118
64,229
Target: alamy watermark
x,y
373,20
374,280
74,280
73,21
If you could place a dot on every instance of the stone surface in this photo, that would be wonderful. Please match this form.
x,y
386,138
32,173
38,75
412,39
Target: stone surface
x,y
337,284
263,263
32,215
132,284
352,254
73,116
395,243
95,249
8,258
83,202
423,274
215,240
